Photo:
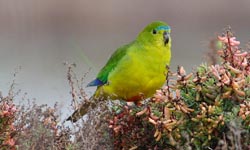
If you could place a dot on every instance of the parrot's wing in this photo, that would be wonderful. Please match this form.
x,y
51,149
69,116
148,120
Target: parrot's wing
x,y
115,58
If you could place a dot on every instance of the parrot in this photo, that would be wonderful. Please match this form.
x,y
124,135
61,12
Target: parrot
x,y
134,71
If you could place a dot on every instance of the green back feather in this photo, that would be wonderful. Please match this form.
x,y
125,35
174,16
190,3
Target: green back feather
x,y
112,63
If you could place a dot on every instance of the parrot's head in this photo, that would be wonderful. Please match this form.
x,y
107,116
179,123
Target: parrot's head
x,y
156,33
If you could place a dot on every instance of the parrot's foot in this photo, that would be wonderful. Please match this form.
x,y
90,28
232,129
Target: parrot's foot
x,y
138,103
135,104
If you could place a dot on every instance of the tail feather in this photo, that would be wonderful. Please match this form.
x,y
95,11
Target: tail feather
x,y
82,110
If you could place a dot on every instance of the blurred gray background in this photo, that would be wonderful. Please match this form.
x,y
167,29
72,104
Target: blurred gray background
x,y
39,35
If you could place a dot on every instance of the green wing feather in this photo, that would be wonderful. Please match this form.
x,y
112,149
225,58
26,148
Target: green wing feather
x,y
112,63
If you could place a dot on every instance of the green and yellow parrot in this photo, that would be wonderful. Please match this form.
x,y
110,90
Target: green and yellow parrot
x,y
134,71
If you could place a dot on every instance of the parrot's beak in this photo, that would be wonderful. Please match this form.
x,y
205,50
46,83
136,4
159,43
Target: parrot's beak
x,y
166,37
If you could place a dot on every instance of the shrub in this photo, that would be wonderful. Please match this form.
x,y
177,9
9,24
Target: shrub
x,y
206,109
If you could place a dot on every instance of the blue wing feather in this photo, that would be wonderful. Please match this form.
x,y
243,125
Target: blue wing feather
x,y
95,82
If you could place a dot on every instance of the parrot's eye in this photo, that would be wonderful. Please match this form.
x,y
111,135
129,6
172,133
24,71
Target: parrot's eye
x,y
154,31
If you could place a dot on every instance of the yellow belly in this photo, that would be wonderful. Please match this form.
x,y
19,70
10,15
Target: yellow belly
x,y
137,77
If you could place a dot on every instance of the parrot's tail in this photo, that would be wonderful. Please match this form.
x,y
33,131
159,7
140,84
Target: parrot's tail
x,y
83,109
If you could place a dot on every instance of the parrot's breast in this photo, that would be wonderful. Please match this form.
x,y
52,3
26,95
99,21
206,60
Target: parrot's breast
x,y
138,75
